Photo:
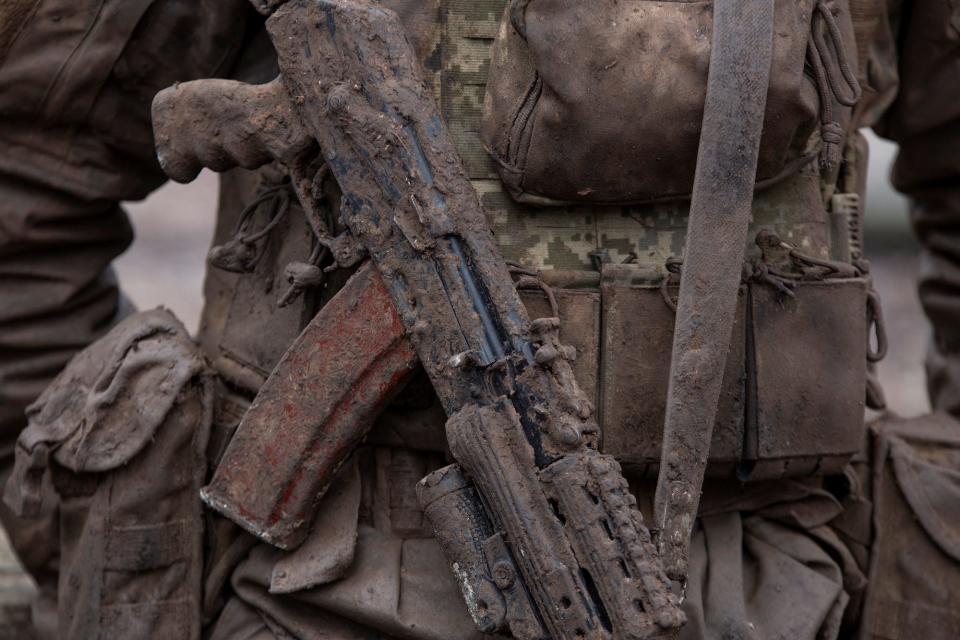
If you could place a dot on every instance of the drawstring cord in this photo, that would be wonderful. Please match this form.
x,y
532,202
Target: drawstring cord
x,y
530,279
674,265
775,251
241,253
301,276
830,80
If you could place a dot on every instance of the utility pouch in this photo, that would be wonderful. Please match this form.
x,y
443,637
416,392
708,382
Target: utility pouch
x,y
805,390
636,343
603,101
792,399
915,558
123,432
793,395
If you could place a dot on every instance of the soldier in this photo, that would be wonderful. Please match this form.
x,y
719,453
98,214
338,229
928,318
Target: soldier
x,y
784,555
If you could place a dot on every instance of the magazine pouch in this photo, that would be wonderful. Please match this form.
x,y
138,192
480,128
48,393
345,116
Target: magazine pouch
x,y
792,399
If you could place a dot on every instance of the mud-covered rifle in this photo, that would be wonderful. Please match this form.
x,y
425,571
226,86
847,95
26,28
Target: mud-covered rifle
x,y
540,528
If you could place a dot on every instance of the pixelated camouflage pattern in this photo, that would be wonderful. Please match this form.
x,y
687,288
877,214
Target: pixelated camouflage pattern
x,y
565,237
469,29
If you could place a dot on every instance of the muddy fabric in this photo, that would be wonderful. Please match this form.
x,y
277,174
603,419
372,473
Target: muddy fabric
x,y
80,67
915,565
764,564
123,433
74,143
925,121
390,589
562,122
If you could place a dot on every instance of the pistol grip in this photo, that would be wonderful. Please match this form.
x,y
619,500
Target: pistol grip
x,y
222,124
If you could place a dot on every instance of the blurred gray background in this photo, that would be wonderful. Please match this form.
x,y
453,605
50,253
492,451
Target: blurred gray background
x,y
174,226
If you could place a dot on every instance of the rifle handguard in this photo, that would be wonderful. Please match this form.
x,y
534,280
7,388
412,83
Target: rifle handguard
x,y
574,530
492,589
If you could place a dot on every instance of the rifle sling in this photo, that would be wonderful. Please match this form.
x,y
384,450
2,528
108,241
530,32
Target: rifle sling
x,y
720,213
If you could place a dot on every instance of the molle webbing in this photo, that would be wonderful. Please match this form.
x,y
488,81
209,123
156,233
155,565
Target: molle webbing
x,y
469,29
456,58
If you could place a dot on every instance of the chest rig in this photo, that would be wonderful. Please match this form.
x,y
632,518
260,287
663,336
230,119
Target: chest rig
x,y
796,381
794,390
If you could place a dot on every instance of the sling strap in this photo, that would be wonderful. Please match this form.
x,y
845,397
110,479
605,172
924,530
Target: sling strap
x,y
720,210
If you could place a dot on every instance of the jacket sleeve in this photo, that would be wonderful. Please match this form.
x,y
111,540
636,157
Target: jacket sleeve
x,y
925,121
77,79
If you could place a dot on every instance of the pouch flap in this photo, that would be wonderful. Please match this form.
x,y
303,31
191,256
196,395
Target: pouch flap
x,y
328,551
638,326
109,401
562,122
929,478
810,376
916,547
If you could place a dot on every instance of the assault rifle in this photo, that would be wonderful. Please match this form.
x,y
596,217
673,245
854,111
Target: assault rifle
x,y
540,528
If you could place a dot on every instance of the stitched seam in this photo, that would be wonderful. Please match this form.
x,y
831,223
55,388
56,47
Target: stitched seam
x,y
69,59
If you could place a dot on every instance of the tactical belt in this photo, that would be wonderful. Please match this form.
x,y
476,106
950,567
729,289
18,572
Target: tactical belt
x,y
716,238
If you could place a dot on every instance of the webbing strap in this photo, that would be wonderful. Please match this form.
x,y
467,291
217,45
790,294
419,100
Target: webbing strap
x,y
723,186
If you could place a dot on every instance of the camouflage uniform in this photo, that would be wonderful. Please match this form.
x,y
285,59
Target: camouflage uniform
x,y
775,559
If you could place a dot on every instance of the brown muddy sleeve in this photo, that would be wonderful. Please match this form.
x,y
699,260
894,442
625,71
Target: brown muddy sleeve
x,y
925,121
77,80
76,83
57,293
